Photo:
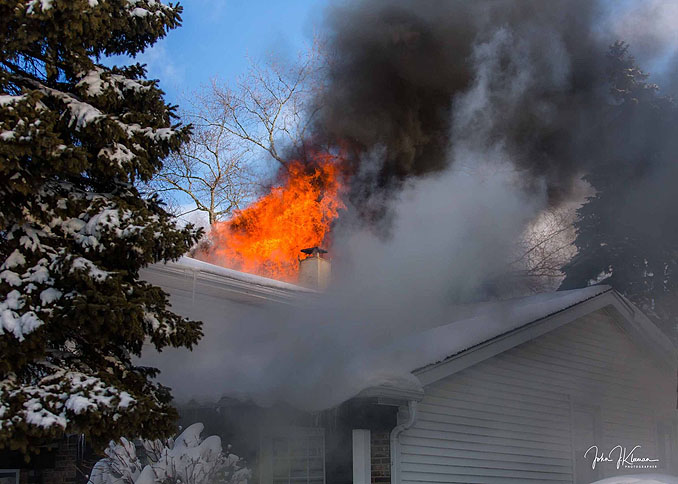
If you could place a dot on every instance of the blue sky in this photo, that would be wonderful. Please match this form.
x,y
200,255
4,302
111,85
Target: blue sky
x,y
217,36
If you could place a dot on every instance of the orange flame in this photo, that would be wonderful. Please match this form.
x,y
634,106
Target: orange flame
x,y
266,237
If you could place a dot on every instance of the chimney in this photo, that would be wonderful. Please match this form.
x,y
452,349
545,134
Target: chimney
x,y
314,270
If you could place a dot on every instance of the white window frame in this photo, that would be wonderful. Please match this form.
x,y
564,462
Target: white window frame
x,y
362,458
11,471
266,449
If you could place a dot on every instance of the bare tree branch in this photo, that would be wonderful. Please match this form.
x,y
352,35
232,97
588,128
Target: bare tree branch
x,y
265,113
269,108
547,245
211,170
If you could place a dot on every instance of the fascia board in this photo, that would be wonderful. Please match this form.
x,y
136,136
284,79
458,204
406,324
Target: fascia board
x,y
476,354
176,276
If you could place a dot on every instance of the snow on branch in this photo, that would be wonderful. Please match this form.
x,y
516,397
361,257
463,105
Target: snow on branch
x,y
43,4
82,114
13,322
97,81
135,8
8,100
143,8
54,399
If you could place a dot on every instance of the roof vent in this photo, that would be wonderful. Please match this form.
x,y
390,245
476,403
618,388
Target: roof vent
x,y
314,270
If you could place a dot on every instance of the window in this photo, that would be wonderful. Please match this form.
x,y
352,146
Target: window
x,y
9,476
293,455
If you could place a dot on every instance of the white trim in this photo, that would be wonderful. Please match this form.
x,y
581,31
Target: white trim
x,y
573,452
388,395
362,463
15,471
641,329
288,433
196,277
595,411
395,441
631,320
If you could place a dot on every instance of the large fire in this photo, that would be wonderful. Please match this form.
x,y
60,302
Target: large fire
x,y
266,237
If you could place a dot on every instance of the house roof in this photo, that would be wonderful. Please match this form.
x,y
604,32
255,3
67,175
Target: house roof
x,y
493,328
194,276
400,370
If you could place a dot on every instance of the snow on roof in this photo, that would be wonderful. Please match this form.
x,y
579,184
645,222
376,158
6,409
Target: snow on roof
x,y
206,267
387,372
486,322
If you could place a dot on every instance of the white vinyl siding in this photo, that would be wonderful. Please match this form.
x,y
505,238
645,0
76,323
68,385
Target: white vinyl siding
x,y
667,445
509,419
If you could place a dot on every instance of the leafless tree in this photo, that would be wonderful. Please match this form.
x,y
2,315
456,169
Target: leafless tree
x,y
269,109
212,170
266,112
547,245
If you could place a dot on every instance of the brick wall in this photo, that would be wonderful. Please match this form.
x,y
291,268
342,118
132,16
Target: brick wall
x,y
380,450
65,465
64,470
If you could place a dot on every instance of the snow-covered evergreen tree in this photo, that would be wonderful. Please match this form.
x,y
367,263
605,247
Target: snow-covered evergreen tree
x,y
75,137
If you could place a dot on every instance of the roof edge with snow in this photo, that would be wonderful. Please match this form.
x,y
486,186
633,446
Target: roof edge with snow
x,y
202,277
638,326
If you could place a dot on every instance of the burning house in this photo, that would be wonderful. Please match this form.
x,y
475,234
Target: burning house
x,y
524,390
441,132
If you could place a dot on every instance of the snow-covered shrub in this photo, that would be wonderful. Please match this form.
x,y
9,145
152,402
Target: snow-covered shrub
x,y
186,459
640,479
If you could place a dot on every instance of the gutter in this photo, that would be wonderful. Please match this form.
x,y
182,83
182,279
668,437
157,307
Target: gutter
x,y
395,440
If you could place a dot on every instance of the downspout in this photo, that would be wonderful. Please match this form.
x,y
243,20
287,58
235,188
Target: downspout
x,y
395,440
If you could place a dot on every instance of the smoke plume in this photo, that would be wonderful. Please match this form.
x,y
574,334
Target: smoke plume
x,y
463,120
399,69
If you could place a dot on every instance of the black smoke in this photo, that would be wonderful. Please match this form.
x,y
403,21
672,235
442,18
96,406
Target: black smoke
x,y
544,87
398,67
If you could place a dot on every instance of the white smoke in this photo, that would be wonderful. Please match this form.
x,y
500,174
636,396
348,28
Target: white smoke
x,y
451,233
648,26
